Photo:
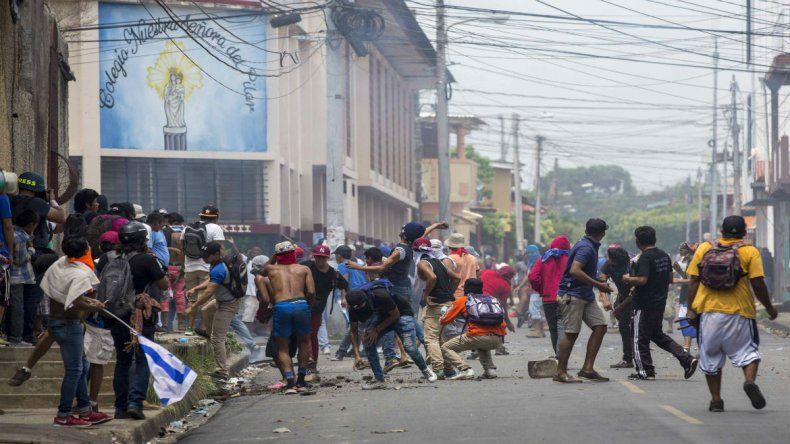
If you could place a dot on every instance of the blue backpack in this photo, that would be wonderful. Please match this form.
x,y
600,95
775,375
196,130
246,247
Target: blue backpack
x,y
484,310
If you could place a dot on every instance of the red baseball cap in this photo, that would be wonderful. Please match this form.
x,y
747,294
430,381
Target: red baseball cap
x,y
321,250
422,244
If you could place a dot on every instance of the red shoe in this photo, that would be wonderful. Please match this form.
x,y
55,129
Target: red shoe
x,y
96,417
70,421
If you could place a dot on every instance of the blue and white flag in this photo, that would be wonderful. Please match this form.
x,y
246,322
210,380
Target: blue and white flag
x,y
172,378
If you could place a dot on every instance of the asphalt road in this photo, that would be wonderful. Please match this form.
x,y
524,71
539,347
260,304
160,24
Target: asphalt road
x,y
515,408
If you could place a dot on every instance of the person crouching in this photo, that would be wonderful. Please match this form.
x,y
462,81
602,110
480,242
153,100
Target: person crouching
x,y
483,332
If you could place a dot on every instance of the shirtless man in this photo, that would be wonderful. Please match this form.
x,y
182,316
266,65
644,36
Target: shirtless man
x,y
292,293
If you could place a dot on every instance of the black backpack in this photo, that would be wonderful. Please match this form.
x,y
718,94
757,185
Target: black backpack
x,y
193,240
116,287
237,270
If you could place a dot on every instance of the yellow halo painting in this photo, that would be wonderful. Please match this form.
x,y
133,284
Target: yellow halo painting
x,y
174,77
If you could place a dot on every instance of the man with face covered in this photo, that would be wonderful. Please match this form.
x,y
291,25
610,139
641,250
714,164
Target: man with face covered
x,y
376,311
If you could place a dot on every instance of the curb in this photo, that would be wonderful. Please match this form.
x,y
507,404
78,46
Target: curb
x,y
777,327
151,426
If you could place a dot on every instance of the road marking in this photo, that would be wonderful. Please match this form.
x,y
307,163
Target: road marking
x,y
631,387
681,415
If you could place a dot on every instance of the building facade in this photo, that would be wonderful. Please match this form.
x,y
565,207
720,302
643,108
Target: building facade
x,y
205,102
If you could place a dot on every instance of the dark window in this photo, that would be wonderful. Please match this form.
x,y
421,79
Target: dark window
x,y
186,185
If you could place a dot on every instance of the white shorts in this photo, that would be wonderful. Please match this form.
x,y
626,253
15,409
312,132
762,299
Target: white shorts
x,y
535,307
723,336
99,345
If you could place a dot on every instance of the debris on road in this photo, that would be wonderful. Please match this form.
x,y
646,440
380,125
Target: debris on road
x,y
282,430
542,369
384,432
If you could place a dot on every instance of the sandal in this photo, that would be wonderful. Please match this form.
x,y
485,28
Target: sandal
x,y
566,379
754,394
592,376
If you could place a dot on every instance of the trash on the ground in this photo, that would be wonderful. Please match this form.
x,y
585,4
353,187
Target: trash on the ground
x,y
384,432
308,393
281,430
542,369
200,411
175,426
206,402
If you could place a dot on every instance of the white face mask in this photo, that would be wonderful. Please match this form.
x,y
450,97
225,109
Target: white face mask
x,y
437,254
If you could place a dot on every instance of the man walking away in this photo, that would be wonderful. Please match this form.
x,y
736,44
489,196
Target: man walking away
x,y
326,280
69,283
720,293
577,303
544,277
227,305
651,279
292,294
196,270
483,333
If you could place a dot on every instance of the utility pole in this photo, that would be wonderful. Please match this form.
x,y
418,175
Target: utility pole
x,y
442,126
725,202
736,150
688,208
502,142
335,200
714,197
540,140
519,228
699,204
750,97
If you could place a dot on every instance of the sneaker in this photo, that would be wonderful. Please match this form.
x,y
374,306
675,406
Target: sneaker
x,y
336,358
716,406
592,376
304,387
22,374
375,385
136,414
622,364
389,365
464,375
291,391
638,377
70,421
20,344
689,371
96,417
489,373
754,394
440,375
326,351
502,351
189,332
430,375
566,379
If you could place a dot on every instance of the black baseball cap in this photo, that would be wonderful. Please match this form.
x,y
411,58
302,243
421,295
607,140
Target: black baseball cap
x,y
209,211
733,226
596,226
210,249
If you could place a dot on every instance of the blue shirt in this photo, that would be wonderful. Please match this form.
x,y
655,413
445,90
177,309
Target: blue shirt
x,y
586,253
5,213
219,275
158,244
356,278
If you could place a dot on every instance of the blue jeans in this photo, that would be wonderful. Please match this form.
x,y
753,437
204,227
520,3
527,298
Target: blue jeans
x,y
405,328
22,316
131,377
241,330
70,336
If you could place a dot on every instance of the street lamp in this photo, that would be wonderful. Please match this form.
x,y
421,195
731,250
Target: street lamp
x,y
442,124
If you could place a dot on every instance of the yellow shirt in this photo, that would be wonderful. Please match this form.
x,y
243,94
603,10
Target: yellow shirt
x,y
737,300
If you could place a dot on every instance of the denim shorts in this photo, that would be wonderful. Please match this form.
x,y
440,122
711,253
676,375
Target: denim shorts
x,y
291,318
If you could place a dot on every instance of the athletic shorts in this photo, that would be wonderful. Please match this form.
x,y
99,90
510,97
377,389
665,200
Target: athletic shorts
x,y
723,336
192,279
291,318
685,327
573,311
99,345
535,306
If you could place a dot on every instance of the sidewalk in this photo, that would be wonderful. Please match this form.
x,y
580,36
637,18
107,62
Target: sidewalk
x,y
35,425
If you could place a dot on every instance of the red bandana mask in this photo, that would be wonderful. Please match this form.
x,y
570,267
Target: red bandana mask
x,y
459,251
287,258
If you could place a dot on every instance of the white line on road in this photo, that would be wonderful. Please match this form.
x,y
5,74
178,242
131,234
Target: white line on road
x,y
631,387
681,415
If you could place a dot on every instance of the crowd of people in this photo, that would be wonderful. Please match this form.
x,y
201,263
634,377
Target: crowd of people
x,y
421,300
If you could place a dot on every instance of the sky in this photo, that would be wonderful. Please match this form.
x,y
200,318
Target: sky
x,y
603,93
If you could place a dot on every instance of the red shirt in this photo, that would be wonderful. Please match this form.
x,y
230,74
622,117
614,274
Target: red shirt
x,y
496,286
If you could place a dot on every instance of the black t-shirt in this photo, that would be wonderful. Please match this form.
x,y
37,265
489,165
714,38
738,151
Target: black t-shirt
x,y
20,203
379,302
657,267
441,291
145,271
617,277
325,283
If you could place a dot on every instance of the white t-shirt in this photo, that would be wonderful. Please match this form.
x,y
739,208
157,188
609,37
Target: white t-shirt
x,y
213,233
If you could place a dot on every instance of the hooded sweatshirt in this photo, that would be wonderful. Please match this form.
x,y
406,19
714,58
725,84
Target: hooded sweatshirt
x,y
545,276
